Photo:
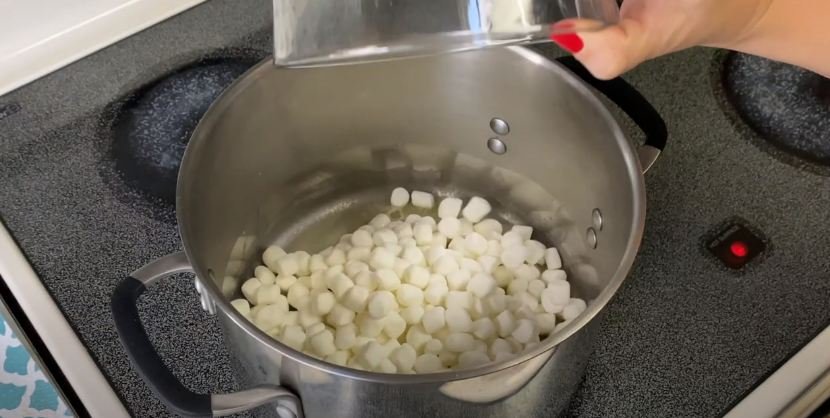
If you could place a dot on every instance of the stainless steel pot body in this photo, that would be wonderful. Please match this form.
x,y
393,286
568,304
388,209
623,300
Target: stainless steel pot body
x,y
299,157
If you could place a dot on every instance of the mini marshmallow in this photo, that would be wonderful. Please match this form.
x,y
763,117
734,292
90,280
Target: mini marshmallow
x,y
484,329
288,265
304,263
433,319
403,357
458,280
573,309
399,197
512,238
422,232
250,289
345,336
294,337
271,255
417,337
525,331
339,285
550,276
412,314
496,302
336,257
414,255
371,355
307,318
291,318
242,306
546,323
503,276
315,329
493,248
355,298
412,218
428,363
404,231
394,326
535,252
317,264
449,227
524,231
459,342
380,220
368,326
362,238
513,256
382,258
422,200
559,292
477,208
479,309
458,299
353,267
269,294
387,279
268,317
417,276
322,302
434,346
472,359
527,272
450,208
448,358
264,275
298,296
435,294
384,236
458,320
552,259
466,228
490,228
481,284
338,357
445,265
505,323
470,265
529,301
400,266
434,253
535,287
488,263
408,295
339,316
381,303
366,279
500,345
518,285
476,244
359,254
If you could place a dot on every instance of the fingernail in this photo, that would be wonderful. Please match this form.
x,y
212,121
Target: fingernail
x,y
563,25
571,42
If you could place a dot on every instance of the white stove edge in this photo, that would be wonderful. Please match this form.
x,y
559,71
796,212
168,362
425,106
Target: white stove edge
x,y
63,344
100,31
795,389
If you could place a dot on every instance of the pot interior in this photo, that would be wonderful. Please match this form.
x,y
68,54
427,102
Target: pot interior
x,y
300,157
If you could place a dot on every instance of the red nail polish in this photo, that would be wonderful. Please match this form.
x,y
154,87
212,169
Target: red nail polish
x,y
571,42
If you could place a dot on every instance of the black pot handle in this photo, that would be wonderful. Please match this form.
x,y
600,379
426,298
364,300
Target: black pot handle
x,y
633,104
150,366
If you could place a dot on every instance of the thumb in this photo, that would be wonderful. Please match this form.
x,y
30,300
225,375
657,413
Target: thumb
x,y
607,52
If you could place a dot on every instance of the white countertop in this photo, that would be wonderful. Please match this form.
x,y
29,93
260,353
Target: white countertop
x,y
41,36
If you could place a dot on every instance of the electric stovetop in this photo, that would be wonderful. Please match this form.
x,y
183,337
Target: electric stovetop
x,y
88,157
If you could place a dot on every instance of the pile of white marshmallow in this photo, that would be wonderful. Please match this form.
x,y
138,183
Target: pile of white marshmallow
x,y
415,295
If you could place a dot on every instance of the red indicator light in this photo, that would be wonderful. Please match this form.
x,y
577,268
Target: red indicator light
x,y
739,249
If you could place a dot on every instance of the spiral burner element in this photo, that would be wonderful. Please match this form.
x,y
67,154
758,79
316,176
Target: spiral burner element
x,y
153,127
787,106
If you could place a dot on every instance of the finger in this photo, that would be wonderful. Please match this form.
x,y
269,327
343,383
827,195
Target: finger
x,y
607,52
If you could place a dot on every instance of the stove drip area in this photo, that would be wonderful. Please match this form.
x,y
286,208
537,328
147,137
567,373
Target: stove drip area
x,y
787,106
153,126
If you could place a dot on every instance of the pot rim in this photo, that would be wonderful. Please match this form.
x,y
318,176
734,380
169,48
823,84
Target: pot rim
x,y
635,173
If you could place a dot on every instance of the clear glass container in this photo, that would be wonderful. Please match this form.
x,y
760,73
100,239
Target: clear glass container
x,y
331,32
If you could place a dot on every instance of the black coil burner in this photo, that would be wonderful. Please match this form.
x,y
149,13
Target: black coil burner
x,y
786,106
153,126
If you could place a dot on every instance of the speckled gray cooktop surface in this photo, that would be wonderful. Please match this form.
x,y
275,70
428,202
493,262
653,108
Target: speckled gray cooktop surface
x,y
684,336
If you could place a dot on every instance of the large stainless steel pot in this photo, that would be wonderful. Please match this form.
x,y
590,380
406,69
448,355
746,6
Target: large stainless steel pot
x,y
298,157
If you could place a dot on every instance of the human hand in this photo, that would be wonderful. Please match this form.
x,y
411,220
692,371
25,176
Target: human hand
x,y
650,28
